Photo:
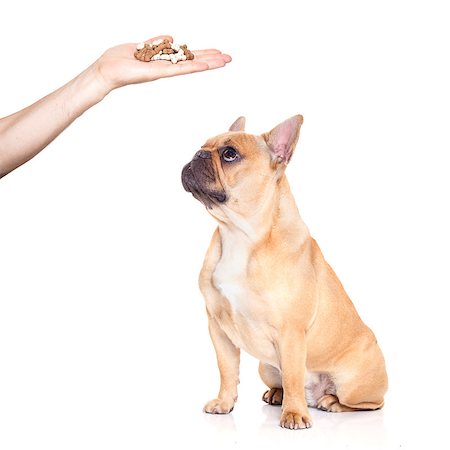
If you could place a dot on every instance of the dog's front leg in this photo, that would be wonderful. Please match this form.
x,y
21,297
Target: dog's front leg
x,y
292,349
228,356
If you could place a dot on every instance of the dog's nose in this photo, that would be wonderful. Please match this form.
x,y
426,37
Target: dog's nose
x,y
204,154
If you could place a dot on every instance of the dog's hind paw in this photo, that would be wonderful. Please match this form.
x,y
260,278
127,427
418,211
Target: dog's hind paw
x,y
273,396
331,403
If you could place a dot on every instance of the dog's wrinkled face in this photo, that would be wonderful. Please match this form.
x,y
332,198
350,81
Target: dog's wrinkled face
x,y
235,170
220,172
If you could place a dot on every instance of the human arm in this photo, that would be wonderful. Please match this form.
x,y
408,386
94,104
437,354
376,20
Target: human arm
x,y
25,133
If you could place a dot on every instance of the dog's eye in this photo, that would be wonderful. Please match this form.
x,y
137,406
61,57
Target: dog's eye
x,y
229,154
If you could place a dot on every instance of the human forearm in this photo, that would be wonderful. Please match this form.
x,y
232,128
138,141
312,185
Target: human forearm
x,y
27,132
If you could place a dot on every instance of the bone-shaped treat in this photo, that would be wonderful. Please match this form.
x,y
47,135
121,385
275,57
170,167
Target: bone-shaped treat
x,y
162,49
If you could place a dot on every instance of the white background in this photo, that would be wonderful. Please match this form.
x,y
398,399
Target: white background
x,y
103,334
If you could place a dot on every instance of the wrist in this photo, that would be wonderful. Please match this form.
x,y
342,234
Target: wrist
x,y
96,84
86,89
100,76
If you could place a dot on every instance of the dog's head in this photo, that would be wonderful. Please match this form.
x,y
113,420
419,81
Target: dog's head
x,y
234,172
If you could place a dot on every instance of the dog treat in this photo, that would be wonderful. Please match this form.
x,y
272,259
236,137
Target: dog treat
x,y
187,52
162,49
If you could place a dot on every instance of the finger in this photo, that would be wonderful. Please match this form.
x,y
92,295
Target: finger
x,y
164,36
214,62
225,57
208,51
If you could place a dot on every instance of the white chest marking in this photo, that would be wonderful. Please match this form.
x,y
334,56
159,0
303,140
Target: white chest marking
x,y
230,273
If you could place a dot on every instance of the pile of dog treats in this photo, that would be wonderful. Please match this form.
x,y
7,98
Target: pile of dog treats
x,y
162,49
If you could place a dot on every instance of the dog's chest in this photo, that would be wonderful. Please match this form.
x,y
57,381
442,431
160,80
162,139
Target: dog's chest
x,y
231,283
247,326
230,275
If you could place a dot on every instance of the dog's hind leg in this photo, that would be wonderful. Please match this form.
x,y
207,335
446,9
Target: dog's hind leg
x,y
360,382
271,377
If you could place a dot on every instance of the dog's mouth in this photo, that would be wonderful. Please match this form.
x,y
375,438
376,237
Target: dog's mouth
x,y
194,177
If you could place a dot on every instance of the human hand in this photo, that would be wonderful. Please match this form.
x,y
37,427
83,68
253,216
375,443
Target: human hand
x,y
25,133
118,67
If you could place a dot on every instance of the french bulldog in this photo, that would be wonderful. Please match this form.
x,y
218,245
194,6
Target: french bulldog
x,y
269,290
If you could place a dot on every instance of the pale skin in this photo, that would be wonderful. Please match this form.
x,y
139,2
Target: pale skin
x,y
25,133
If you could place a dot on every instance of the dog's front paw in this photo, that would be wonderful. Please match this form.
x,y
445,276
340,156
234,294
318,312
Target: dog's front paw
x,y
219,406
295,420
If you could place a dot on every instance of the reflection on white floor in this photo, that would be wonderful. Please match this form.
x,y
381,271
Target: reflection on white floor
x,y
260,425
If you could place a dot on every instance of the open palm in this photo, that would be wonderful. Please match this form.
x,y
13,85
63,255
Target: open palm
x,y
118,66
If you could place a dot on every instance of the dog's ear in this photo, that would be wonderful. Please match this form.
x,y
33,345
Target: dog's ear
x,y
238,124
283,139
